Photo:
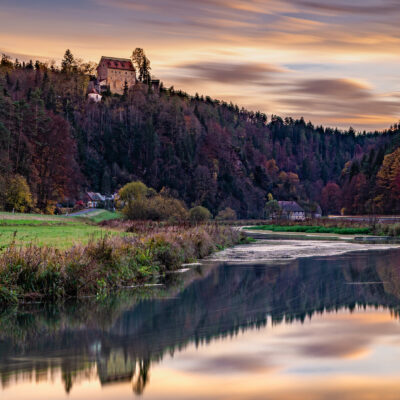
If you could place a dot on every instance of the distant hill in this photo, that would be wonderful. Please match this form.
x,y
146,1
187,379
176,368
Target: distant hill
x,y
205,151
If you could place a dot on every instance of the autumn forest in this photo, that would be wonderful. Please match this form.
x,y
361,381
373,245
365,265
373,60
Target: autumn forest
x,y
204,151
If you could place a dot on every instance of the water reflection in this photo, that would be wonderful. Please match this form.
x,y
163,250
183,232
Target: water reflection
x,y
124,339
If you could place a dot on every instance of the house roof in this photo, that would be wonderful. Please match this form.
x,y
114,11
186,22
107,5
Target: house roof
x,y
117,63
95,196
290,206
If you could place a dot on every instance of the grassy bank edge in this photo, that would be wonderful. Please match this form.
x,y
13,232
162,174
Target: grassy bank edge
x,y
311,229
33,273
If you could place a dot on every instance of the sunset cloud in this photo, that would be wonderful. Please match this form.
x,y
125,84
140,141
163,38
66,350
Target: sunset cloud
x,y
239,74
356,7
332,61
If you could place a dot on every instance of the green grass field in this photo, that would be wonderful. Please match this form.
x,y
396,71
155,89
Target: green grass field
x,y
311,229
100,215
57,231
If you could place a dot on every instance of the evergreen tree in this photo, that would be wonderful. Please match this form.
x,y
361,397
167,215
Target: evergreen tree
x,y
68,63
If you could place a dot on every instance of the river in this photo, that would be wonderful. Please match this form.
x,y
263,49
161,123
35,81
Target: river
x,y
272,326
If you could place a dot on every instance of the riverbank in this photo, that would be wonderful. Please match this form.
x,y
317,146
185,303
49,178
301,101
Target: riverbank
x,y
329,226
312,229
276,235
139,254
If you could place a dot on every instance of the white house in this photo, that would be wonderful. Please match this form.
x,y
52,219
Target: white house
x,y
94,95
291,210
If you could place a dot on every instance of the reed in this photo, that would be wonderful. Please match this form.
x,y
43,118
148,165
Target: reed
x,y
46,273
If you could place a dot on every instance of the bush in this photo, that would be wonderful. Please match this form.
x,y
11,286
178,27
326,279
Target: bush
x,y
390,229
18,195
226,214
162,208
133,191
199,214
157,208
142,203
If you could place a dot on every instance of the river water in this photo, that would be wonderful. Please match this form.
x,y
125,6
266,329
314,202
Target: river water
x,y
295,328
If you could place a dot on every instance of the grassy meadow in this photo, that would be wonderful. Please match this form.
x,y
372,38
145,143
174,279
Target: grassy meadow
x,y
60,232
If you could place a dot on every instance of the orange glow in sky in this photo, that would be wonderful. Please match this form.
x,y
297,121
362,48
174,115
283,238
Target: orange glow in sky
x,y
335,62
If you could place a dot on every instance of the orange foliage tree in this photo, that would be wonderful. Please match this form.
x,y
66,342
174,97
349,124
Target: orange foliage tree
x,y
388,181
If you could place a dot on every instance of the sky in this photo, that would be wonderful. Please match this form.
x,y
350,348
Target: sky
x,y
334,62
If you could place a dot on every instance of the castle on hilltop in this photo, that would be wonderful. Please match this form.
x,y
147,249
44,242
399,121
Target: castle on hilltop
x,y
114,73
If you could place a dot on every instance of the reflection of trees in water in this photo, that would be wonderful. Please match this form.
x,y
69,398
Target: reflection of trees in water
x,y
119,343
142,378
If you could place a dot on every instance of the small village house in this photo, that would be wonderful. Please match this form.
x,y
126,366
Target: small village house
x,y
94,95
292,211
94,200
312,210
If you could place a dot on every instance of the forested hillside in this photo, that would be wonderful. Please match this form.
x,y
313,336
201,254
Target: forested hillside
x,y
204,151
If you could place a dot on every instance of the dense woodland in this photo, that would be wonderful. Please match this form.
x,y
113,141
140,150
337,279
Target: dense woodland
x,y
205,152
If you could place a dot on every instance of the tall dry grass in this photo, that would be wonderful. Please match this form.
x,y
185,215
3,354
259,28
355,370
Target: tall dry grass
x,y
32,272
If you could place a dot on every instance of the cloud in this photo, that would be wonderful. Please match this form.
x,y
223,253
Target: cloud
x,y
340,88
356,7
231,364
346,101
231,73
287,57
357,336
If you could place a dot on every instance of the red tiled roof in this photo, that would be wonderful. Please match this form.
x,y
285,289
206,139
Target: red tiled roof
x,y
118,63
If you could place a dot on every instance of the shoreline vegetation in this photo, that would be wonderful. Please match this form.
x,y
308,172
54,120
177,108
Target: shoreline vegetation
x,y
339,227
310,229
133,253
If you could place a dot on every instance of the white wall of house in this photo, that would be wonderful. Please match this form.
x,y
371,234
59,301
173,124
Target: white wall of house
x,y
95,97
297,216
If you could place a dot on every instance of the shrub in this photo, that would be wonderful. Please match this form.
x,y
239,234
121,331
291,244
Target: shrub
x,y
394,230
133,191
162,208
142,203
157,208
18,195
199,214
226,214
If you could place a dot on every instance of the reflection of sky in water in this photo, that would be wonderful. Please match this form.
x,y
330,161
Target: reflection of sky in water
x,y
348,349
343,353
221,334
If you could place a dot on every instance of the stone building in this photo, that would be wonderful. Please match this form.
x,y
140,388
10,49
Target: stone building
x,y
114,72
